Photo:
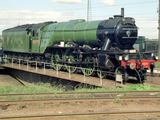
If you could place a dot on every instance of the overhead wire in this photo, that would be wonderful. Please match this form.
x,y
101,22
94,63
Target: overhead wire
x,y
127,4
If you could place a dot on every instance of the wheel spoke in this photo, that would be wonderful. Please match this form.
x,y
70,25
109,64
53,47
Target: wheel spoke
x,y
71,58
88,69
55,58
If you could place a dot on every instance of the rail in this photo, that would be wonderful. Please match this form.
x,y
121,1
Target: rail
x,y
89,114
81,93
108,98
56,109
77,95
80,101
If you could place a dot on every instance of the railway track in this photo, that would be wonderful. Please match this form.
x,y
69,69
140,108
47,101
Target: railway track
x,y
143,95
78,99
4,97
5,104
78,114
83,99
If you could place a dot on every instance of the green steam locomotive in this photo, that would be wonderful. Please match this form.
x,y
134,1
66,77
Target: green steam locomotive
x,y
104,45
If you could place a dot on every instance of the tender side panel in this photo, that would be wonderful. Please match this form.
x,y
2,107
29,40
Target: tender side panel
x,y
15,41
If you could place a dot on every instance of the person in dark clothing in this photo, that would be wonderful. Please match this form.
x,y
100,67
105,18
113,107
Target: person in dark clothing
x,y
1,55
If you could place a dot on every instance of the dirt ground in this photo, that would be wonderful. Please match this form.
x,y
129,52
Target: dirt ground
x,y
83,107
6,79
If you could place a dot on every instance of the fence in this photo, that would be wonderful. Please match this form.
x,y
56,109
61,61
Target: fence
x,y
44,64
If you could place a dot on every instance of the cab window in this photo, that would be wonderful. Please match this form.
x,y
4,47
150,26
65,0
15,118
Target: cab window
x,y
35,33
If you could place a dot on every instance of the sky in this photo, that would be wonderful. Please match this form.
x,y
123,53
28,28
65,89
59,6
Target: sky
x,y
19,12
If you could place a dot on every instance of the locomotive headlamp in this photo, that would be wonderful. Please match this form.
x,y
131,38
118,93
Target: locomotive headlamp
x,y
106,32
126,57
155,57
132,51
152,54
120,57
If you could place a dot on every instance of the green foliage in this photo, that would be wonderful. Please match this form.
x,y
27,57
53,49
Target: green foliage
x,y
138,87
35,88
41,106
48,88
157,64
117,100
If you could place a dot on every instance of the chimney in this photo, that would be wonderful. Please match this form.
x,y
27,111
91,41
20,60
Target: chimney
x,y
122,12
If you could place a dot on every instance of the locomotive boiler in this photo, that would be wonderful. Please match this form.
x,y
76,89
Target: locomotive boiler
x,y
104,46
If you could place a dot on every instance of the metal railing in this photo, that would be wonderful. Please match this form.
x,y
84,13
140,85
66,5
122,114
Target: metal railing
x,y
36,64
28,62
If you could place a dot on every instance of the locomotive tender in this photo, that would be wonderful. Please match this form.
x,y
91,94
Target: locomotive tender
x,y
105,46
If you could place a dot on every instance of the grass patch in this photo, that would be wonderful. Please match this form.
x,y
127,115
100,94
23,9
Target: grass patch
x,y
48,88
41,106
137,87
117,100
35,88
157,64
